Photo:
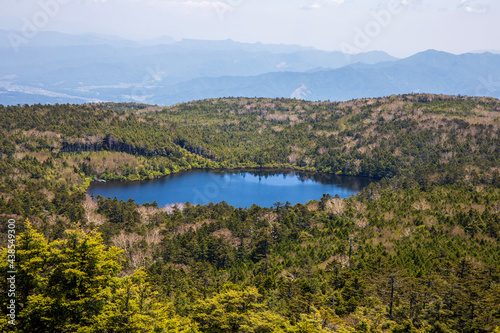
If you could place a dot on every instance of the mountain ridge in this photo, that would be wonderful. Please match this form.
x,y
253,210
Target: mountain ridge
x,y
181,71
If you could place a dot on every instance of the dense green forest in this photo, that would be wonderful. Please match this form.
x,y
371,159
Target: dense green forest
x,y
416,251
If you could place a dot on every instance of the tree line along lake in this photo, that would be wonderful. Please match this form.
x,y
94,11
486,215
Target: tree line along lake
x,y
237,188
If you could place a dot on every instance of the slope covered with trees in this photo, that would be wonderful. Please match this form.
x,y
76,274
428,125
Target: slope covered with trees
x,y
369,137
416,251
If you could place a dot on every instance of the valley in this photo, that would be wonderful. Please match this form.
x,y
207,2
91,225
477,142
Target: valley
x,y
415,251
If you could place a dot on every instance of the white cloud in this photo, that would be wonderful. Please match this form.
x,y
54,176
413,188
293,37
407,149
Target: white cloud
x,y
193,4
311,5
317,4
187,4
197,4
92,1
479,10
474,6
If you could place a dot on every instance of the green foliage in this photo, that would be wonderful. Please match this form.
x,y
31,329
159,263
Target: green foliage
x,y
234,310
415,252
72,285
131,306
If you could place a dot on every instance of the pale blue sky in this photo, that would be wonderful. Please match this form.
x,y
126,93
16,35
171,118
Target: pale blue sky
x,y
455,26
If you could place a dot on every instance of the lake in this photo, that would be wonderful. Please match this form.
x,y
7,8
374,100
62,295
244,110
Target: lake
x,y
237,188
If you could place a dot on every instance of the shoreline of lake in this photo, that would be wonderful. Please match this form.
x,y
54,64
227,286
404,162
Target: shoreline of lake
x,y
237,186
242,169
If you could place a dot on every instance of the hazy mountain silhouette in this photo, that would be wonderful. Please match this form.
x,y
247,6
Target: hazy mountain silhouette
x,y
56,68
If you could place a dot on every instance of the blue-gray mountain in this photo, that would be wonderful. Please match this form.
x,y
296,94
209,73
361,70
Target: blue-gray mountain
x,y
58,68
426,72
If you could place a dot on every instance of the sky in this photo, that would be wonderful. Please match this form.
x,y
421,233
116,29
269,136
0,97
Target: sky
x,y
398,27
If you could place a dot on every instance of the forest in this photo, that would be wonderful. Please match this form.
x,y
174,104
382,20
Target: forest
x,y
416,251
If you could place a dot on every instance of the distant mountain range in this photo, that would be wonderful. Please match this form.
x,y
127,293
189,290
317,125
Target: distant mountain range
x,y
426,72
59,68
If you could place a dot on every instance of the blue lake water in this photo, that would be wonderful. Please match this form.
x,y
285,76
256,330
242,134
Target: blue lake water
x,y
237,188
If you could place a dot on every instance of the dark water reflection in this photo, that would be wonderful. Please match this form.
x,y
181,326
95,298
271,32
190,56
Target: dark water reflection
x,y
237,188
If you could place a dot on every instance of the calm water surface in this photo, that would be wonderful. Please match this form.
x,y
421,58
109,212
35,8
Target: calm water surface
x,y
237,188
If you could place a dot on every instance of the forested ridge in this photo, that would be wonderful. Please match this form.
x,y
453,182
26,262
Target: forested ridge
x,y
417,251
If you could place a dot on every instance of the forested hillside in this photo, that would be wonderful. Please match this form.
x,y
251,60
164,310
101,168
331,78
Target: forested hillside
x,y
417,251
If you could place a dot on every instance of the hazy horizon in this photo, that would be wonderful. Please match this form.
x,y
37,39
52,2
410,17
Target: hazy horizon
x,y
123,71
144,42
398,27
